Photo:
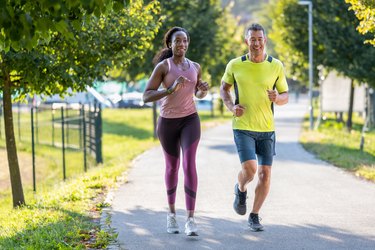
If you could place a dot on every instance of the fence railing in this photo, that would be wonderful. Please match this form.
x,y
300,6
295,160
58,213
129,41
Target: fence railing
x,y
73,127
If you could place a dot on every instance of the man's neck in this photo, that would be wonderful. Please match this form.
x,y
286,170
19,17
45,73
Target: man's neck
x,y
258,58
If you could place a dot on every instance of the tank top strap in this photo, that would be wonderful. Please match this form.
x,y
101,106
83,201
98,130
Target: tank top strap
x,y
193,65
169,64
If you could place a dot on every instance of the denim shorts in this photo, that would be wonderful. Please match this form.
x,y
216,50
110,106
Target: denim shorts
x,y
255,145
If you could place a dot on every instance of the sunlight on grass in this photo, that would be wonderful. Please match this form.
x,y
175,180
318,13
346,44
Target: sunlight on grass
x,y
332,143
63,215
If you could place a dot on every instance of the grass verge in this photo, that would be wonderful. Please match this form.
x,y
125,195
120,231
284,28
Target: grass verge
x,y
332,143
66,215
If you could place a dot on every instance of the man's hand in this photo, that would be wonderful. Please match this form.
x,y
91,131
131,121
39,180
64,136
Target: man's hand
x,y
272,95
238,110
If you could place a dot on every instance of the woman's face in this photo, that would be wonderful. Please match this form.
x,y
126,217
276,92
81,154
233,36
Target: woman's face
x,y
180,43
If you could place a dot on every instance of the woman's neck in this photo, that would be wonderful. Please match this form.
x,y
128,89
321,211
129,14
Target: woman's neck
x,y
179,59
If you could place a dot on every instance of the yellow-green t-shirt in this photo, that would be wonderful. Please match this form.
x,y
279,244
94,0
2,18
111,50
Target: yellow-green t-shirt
x,y
251,81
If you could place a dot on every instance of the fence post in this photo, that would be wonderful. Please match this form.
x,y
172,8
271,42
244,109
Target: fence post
x,y
53,125
37,124
63,142
33,147
84,138
98,133
80,125
67,126
90,128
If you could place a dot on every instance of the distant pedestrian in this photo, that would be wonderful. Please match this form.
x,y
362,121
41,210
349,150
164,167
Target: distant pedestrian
x,y
178,126
259,82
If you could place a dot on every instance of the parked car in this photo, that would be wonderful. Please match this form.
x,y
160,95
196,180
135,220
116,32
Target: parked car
x,y
132,100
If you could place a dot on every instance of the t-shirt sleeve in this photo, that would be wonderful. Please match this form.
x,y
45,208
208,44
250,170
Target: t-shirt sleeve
x,y
228,74
281,84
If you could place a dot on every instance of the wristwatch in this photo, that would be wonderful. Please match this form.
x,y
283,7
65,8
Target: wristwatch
x,y
169,90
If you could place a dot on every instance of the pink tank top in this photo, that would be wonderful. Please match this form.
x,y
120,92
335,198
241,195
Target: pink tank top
x,y
180,103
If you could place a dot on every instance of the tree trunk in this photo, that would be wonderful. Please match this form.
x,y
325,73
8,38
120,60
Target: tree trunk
x,y
349,123
14,169
371,108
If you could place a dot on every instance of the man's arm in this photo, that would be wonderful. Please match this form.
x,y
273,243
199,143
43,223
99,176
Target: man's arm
x,y
282,98
237,110
226,96
279,99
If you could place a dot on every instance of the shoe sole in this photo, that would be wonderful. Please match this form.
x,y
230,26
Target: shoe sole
x,y
191,234
173,231
256,229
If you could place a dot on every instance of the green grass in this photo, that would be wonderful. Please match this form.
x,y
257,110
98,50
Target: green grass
x,y
64,215
332,143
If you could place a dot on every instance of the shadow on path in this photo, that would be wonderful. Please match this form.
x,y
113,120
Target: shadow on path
x,y
148,224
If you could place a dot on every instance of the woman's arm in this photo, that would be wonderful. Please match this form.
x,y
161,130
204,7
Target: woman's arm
x,y
152,92
201,88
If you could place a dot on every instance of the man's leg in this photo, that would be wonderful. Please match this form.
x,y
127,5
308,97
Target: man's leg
x,y
263,187
246,175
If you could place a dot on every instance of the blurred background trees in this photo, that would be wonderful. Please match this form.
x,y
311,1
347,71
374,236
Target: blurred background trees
x,y
48,47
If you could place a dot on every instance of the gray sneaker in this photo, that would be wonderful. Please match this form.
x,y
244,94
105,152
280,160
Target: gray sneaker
x,y
254,222
239,204
172,226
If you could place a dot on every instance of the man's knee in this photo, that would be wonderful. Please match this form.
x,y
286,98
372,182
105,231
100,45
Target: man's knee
x,y
249,168
264,174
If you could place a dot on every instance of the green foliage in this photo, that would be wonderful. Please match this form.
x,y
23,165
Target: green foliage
x,y
26,24
365,12
336,45
47,47
213,37
95,46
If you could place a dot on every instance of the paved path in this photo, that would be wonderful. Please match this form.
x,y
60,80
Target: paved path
x,y
311,205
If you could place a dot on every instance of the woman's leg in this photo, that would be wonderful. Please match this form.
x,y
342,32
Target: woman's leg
x,y
190,136
167,131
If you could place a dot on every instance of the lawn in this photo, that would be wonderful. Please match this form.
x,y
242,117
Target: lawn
x,y
332,142
65,214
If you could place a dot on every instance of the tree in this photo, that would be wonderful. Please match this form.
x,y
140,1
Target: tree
x,y
365,12
213,32
65,44
336,43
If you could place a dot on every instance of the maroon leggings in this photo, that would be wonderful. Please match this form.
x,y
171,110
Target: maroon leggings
x,y
176,134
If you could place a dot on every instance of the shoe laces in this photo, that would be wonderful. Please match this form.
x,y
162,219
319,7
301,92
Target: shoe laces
x,y
242,196
172,222
190,223
256,219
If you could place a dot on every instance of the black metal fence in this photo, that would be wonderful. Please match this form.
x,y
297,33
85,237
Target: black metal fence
x,y
73,127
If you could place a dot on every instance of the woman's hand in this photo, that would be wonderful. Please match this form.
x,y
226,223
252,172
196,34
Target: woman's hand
x,y
202,89
178,83
202,86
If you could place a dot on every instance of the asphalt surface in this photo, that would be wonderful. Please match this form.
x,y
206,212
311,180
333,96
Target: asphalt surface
x,y
311,205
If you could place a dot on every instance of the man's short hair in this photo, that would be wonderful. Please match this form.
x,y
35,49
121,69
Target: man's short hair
x,y
254,27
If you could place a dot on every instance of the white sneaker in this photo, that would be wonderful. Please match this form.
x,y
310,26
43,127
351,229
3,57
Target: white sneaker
x,y
172,226
191,227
